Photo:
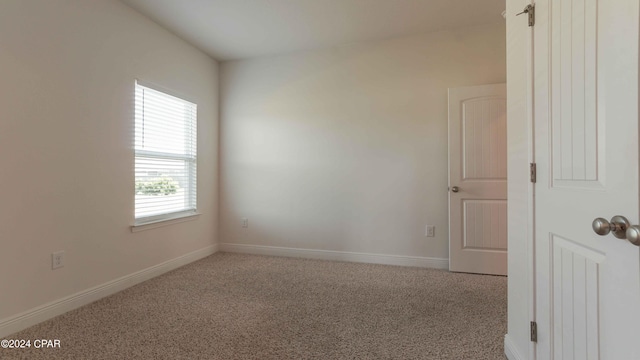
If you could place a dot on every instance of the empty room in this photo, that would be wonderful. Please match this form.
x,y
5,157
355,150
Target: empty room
x,y
319,179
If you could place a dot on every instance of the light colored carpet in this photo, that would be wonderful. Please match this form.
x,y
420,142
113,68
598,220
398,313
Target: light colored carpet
x,y
232,306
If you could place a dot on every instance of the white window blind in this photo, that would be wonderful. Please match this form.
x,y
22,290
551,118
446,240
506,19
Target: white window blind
x,y
165,156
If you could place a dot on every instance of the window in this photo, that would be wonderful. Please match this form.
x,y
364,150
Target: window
x,y
165,156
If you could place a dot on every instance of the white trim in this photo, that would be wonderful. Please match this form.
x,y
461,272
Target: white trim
x,y
182,217
510,349
531,199
52,309
417,261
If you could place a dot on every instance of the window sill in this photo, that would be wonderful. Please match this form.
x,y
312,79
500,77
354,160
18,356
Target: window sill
x,y
164,222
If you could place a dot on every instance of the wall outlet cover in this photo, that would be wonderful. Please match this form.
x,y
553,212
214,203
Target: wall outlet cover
x,y
57,260
431,231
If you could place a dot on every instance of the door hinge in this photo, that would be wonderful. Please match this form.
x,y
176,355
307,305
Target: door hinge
x,y
534,331
530,10
533,172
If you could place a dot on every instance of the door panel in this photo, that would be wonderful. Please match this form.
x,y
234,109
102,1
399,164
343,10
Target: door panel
x,y
586,149
485,227
575,299
478,166
484,139
574,105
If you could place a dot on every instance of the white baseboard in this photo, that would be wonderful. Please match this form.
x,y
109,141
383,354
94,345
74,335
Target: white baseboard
x,y
47,311
417,261
510,349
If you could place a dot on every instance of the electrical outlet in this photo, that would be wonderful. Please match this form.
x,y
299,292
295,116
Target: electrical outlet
x,y
431,231
57,260
245,222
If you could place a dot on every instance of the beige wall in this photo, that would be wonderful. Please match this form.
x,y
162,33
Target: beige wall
x,y
67,71
345,149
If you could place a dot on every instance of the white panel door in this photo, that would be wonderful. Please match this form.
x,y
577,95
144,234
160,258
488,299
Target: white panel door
x,y
478,179
586,149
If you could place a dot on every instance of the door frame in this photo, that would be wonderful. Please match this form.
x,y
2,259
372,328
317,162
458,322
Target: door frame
x,y
524,37
531,199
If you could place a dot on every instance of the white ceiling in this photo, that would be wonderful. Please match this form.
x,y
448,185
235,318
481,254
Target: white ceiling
x,y
237,29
